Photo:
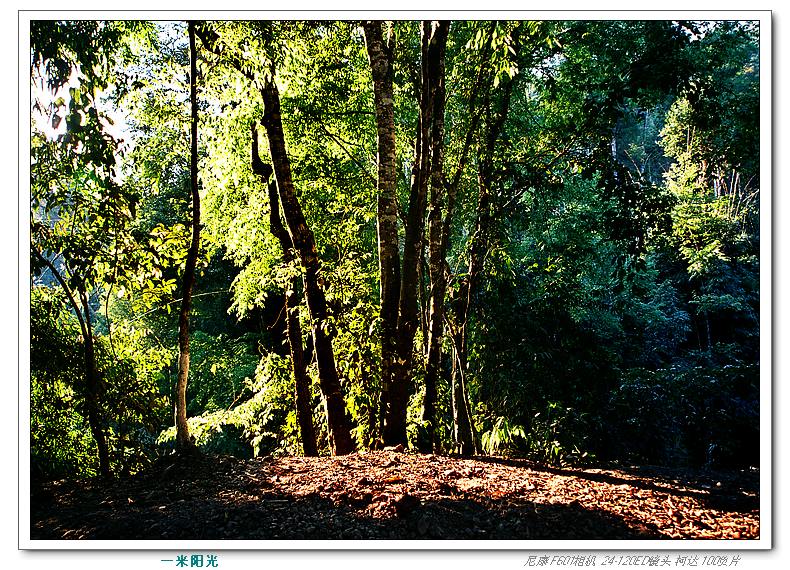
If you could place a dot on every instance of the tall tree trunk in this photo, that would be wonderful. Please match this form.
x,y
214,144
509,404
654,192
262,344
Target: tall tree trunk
x,y
413,244
381,57
304,415
304,242
183,439
397,367
437,245
434,41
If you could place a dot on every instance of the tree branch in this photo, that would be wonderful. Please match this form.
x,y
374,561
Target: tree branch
x,y
66,289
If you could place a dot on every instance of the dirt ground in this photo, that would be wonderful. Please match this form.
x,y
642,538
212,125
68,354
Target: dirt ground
x,y
394,495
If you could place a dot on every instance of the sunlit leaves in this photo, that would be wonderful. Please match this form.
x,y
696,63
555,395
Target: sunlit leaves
x,y
61,444
624,200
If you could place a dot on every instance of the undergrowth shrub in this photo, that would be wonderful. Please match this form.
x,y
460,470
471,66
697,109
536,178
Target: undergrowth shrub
x,y
689,416
556,436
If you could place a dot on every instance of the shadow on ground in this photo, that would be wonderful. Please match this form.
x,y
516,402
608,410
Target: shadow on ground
x,y
223,498
277,516
714,490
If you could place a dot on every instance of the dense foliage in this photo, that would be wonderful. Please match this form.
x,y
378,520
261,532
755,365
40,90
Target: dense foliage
x,y
557,258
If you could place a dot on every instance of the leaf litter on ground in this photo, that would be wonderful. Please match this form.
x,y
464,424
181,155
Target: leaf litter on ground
x,y
394,495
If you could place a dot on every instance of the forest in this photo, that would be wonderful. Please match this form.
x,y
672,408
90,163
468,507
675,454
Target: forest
x,y
391,273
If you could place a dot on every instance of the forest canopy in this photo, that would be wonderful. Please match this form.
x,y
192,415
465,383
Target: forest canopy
x,y
526,238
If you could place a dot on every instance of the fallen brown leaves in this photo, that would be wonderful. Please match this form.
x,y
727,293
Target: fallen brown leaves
x,y
392,495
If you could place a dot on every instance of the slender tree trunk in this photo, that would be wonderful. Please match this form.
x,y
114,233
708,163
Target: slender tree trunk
x,y
372,411
304,415
495,120
463,429
92,391
435,333
423,276
466,439
183,439
381,57
304,242
91,373
436,245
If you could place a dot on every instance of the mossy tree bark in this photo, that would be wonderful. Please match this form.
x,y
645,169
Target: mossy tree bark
x,y
380,54
399,324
